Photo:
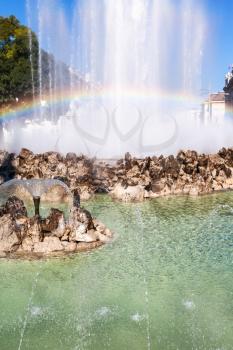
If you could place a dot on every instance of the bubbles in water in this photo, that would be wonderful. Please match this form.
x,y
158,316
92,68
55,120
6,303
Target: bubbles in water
x,y
103,311
189,304
36,311
137,317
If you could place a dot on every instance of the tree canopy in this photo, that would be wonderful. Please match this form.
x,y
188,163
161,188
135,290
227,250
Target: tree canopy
x,y
17,62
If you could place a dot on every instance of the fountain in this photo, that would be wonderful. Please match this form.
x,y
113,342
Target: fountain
x,y
51,191
68,230
132,81
167,281
36,201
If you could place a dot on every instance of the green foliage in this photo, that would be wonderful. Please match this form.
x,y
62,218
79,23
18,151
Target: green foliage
x,y
15,60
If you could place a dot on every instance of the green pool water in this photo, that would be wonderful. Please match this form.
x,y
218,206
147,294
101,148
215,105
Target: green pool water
x,y
165,282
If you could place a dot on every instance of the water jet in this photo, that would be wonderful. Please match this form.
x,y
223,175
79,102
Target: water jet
x,y
36,200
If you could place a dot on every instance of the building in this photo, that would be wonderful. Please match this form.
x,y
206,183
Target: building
x,y
228,90
219,105
214,108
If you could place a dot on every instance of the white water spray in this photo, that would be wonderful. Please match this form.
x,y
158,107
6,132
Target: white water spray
x,y
144,55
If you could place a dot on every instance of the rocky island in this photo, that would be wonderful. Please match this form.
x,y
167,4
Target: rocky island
x,y
22,235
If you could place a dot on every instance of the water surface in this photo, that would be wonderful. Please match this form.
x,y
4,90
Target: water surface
x,y
165,282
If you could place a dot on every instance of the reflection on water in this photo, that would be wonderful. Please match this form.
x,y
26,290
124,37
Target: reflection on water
x,y
164,283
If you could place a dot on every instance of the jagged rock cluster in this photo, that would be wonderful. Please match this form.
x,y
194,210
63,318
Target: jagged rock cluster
x,y
21,235
128,179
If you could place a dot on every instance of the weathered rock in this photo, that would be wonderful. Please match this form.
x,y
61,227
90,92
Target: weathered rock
x,y
76,198
69,246
54,223
71,157
50,244
27,244
99,226
128,194
15,207
85,193
81,215
25,153
84,246
157,176
157,186
34,229
9,240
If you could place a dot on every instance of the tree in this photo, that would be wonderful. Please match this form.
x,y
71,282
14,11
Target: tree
x,y
17,62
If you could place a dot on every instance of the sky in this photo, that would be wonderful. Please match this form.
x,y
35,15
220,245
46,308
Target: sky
x,y
219,35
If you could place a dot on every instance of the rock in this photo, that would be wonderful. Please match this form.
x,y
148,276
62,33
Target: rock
x,y
128,160
157,186
103,233
194,191
108,233
222,152
156,175
101,237
54,223
71,157
49,245
66,235
171,166
85,193
25,153
61,228
104,237
34,229
69,246
80,215
76,198
98,225
27,244
128,194
15,207
84,246
80,234
9,240
81,229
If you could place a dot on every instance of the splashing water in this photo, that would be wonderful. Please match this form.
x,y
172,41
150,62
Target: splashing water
x,y
29,308
132,80
36,187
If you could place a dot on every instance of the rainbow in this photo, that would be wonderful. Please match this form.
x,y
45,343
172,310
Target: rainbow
x,y
33,106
